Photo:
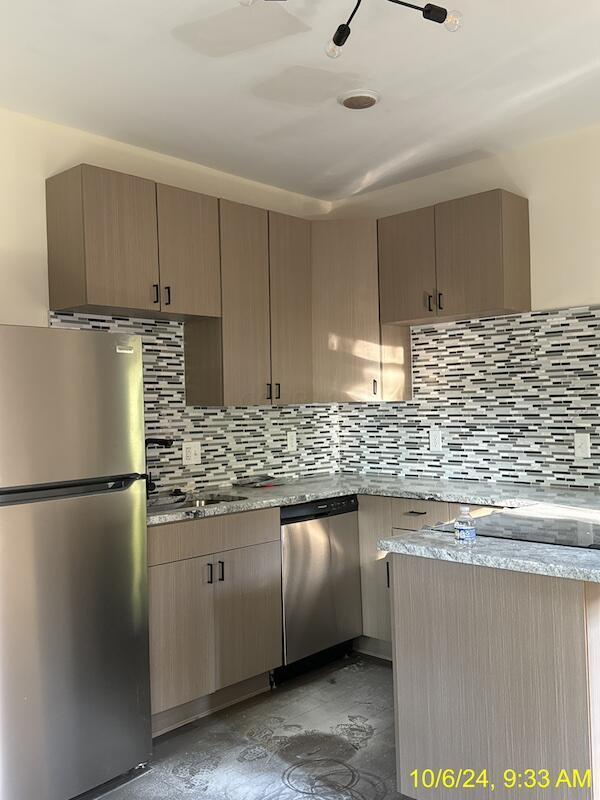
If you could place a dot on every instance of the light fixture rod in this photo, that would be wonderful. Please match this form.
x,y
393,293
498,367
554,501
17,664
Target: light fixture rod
x,y
407,5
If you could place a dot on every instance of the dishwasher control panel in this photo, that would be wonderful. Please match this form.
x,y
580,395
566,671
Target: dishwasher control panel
x,y
319,508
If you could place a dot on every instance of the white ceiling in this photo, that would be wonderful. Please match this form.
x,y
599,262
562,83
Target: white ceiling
x,y
251,92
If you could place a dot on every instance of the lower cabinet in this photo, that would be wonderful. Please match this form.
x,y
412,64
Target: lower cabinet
x,y
374,523
380,518
182,633
248,625
215,619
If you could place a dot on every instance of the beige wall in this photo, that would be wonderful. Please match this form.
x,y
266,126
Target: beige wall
x,y
31,150
561,178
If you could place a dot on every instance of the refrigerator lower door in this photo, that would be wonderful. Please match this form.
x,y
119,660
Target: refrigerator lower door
x,y
74,686
321,584
71,406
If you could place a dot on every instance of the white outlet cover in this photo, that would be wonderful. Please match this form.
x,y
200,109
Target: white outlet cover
x,y
583,446
436,444
292,442
192,453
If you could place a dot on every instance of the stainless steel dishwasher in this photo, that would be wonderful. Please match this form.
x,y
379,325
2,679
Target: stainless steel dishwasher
x,y
321,576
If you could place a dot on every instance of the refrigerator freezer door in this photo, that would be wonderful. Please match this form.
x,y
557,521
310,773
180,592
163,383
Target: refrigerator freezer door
x,y
74,689
71,405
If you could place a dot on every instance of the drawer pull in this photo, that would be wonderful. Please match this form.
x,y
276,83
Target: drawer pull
x,y
417,513
210,573
221,571
387,571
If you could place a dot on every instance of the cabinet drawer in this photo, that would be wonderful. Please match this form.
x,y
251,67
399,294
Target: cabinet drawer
x,y
412,515
200,537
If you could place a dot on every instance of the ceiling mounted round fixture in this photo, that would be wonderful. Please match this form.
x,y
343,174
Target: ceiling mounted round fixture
x,y
358,99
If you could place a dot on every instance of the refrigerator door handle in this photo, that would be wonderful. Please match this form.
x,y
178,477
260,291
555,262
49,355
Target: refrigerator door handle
x,y
51,491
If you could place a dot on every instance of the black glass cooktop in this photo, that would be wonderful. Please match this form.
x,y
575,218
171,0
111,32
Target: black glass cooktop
x,y
543,523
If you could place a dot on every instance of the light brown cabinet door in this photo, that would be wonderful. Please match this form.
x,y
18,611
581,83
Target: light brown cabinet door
x,y
121,243
189,252
346,336
248,630
407,282
375,523
291,309
469,255
245,300
182,656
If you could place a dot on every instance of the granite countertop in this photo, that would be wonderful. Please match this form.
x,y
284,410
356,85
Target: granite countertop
x,y
539,559
303,490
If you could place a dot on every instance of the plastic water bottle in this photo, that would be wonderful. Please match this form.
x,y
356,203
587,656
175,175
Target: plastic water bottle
x,y
464,527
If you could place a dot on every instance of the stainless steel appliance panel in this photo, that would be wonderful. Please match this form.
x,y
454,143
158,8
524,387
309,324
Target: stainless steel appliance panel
x,y
74,691
321,584
71,405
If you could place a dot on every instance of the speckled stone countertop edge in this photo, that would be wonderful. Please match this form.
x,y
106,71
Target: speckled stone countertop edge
x,y
515,556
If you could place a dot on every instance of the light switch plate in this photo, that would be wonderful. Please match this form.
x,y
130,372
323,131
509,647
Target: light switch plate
x,y
292,442
583,446
436,444
192,453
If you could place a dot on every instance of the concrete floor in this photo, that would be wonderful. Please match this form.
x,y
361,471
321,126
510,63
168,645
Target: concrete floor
x,y
328,734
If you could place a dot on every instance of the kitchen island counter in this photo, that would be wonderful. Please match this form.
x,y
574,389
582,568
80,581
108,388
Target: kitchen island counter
x,y
496,650
516,556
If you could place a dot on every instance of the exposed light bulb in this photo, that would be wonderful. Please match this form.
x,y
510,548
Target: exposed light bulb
x,y
333,50
454,21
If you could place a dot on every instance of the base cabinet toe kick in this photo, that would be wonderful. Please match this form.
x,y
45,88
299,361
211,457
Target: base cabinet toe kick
x,y
496,682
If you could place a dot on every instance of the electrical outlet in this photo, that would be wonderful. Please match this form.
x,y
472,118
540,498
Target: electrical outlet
x,y
583,446
292,442
436,444
192,453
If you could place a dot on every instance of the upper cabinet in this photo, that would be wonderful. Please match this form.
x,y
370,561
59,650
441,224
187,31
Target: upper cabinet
x,y
462,258
189,252
245,286
346,335
482,255
260,352
228,361
291,309
280,310
407,283
121,243
102,241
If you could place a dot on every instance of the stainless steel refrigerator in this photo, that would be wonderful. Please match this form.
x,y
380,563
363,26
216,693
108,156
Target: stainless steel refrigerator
x,y
74,688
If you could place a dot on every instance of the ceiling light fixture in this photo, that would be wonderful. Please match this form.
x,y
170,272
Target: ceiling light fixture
x,y
452,21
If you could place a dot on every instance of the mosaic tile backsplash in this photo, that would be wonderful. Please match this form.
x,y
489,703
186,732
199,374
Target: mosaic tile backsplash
x,y
508,394
236,442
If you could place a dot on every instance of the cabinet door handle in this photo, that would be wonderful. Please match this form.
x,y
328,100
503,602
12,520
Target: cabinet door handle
x,y
277,391
167,295
156,293
210,573
429,302
387,573
440,301
417,513
269,391
221,571
374,387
